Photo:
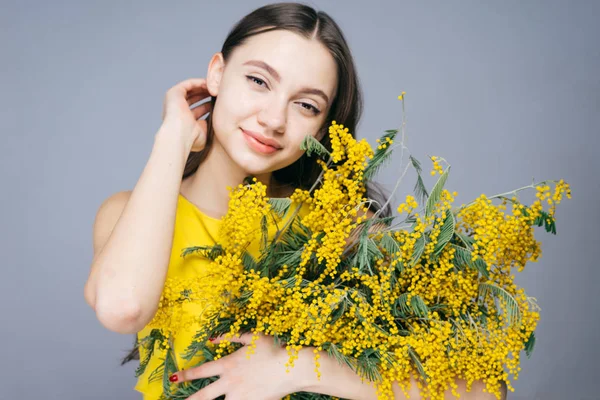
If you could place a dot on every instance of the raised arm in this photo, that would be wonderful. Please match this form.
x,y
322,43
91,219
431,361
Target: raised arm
x,y
132,235
133,231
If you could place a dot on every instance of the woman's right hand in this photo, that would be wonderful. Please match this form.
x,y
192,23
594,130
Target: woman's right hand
x,y
177,112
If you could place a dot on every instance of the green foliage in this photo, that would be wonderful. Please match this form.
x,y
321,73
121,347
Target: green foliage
x,y
248,261
417,361
264,227
280,205
436,193
464,257
418,250
544,219
513,316
286,250
446,233
389,244
334,351
530,344
466,239
367,251
210,252
170,367
339,310
312,145
416,308
380,156
148,344
156,375
367,365
420,190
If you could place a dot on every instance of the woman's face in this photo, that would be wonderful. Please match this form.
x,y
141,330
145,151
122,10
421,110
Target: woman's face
x,y
277,86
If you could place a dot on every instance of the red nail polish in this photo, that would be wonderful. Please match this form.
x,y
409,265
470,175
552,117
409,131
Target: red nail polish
x,y
173,378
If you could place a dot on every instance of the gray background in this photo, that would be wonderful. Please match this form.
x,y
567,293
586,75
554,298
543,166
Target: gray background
x,y
506,91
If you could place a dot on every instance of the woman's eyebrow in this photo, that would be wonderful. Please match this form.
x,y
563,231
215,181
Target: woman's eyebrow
x,y
275,74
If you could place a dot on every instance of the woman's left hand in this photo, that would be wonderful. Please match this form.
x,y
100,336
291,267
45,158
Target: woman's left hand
x,y
261,376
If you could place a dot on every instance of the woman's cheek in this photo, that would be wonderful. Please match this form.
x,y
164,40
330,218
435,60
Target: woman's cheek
x,y
248,101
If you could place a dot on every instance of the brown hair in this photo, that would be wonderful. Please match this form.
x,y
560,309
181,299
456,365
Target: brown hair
x,y
346,107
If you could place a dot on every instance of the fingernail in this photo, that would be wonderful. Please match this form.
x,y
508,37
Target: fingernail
x,y
173,378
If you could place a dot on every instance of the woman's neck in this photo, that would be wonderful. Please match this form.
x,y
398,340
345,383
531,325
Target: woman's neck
x,y
207,187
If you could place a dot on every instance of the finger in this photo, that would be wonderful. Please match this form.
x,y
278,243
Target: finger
x,y
212,391
195,98
188,87
206,370
201,110
203,92
192,83
193,86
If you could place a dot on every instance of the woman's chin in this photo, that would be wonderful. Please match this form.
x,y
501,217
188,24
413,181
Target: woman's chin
x,y
252,165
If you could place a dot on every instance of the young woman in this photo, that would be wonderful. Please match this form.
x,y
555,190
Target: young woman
x,y
285,71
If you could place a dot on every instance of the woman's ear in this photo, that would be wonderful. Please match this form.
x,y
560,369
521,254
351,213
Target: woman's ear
x,y
216,67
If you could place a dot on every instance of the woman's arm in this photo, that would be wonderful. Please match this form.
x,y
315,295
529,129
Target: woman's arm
x,y
133,238
341,381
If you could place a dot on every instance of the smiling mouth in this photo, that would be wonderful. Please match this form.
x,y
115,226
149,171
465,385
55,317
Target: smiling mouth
x,y
257,145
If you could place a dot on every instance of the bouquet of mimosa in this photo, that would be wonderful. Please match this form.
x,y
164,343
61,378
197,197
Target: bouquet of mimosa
x,y
428,293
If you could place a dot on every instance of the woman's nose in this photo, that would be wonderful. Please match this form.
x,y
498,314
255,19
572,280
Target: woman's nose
x,y
273,116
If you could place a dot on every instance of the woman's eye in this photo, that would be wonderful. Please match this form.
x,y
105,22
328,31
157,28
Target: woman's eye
x,y
306,106
255,79
312,108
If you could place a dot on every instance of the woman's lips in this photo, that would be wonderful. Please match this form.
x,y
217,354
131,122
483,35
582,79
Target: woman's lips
x,y
257,145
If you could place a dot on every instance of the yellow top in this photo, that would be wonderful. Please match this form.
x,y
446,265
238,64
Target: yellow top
x,y
192,228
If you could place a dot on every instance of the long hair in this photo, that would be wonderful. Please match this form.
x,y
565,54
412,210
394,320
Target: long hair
x,y
346,108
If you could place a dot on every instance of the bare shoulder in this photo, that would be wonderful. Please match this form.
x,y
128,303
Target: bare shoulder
x,y
107,217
